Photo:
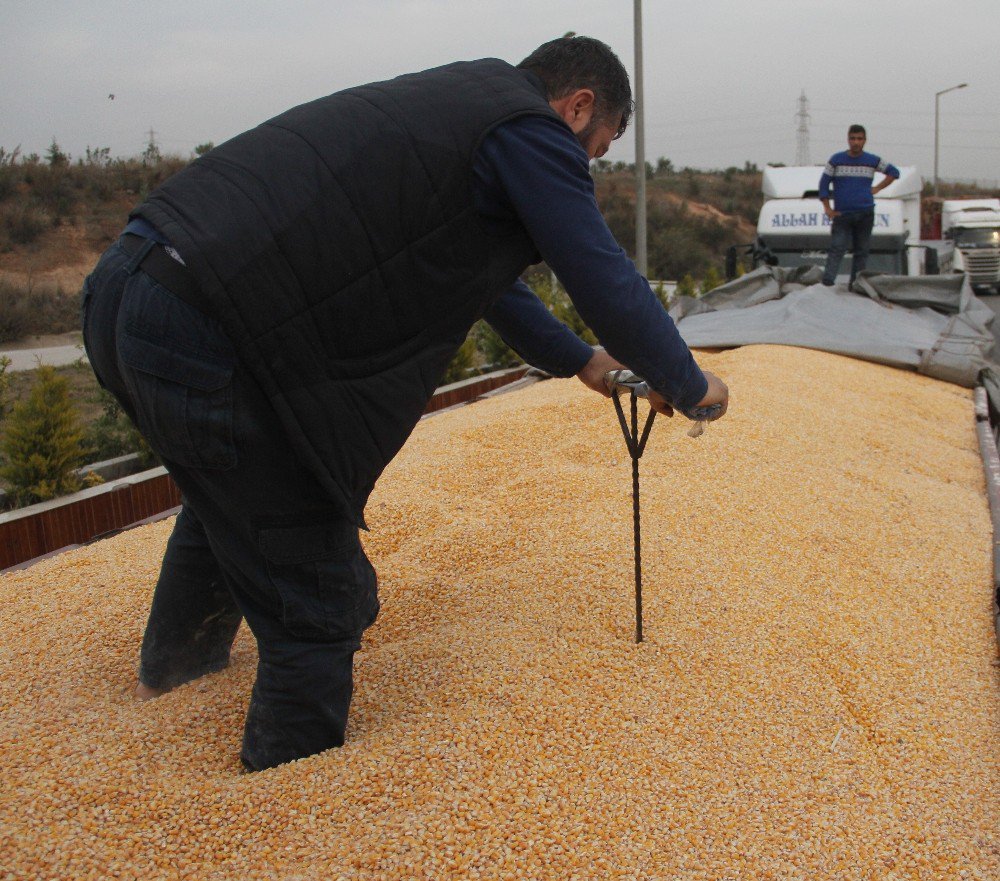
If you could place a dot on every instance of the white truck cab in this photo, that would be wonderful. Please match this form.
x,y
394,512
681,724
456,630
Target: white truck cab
x,y
973,225
793,229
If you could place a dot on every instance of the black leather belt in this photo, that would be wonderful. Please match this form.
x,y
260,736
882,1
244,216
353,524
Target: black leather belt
x,y
170,273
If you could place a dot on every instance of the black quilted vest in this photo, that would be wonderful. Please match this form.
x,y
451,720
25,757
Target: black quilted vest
x,y
338,245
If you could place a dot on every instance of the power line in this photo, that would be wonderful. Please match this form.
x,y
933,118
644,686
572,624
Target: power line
x,y
860,111
679,124
773,112
914,128
728,117
988,147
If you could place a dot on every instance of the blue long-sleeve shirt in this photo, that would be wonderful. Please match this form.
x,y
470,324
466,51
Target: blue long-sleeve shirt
x,y
852,178
534,171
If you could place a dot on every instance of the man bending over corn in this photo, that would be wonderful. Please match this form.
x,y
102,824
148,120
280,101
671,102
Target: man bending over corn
x,y
276,316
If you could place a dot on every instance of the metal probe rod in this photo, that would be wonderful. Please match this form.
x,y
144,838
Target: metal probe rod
x,y
636,529
618,381
635,445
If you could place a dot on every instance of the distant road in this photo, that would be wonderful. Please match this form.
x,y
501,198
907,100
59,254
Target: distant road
x,y
56,356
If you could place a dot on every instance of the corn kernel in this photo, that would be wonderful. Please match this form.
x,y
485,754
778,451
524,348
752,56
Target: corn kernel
x,y
814,697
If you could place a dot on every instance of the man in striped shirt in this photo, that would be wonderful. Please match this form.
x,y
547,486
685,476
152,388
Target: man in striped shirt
x,y
852,173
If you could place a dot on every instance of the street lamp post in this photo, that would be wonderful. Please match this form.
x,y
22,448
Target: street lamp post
x,y
640,151
937,101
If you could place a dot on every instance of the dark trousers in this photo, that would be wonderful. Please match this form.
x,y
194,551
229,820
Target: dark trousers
x,y
255,539
853,230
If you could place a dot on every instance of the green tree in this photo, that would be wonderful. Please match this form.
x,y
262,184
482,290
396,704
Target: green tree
x,y
42,445
54,156
561,306
202,149
462,362
686,287
99,157
151,155
496,353
711,280
660,290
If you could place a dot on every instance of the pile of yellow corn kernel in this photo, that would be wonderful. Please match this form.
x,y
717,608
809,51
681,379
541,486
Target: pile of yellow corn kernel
x,y
817,695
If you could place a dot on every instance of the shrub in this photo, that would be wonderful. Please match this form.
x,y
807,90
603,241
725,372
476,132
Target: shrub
x,y
166,167
52,187
561,306
686,287
128,175
711,280
92,478
496,353
15,313
662,295
22,222
4,384
26,310
43,443
461,364
8,181
9,172
664,166
99,157
93,175
114,434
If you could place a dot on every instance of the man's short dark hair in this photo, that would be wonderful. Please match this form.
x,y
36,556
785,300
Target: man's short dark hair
x,y
570,63
857,130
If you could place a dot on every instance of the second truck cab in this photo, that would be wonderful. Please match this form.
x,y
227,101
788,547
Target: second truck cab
x,y
973,225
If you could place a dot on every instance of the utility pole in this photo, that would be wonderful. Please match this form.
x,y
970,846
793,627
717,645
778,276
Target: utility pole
x,y
802,145
640,151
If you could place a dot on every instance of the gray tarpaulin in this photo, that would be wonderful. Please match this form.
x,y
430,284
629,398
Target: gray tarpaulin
x,y
932,324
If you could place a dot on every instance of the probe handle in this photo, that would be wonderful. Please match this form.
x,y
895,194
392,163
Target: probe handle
x,y
621,381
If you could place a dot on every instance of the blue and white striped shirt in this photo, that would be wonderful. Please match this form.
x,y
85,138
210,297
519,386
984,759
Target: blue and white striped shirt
x,y
852,178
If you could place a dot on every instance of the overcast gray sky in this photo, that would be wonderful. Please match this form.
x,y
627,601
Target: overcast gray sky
x,y
722,77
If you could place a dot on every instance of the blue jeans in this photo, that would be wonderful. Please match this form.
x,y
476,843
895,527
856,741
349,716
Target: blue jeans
x,y
255,539
853,230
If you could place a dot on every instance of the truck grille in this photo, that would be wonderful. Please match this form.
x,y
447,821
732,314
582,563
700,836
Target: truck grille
x,y
983,268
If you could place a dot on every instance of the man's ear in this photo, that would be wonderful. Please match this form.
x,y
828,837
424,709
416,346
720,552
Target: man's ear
x,y
576,109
